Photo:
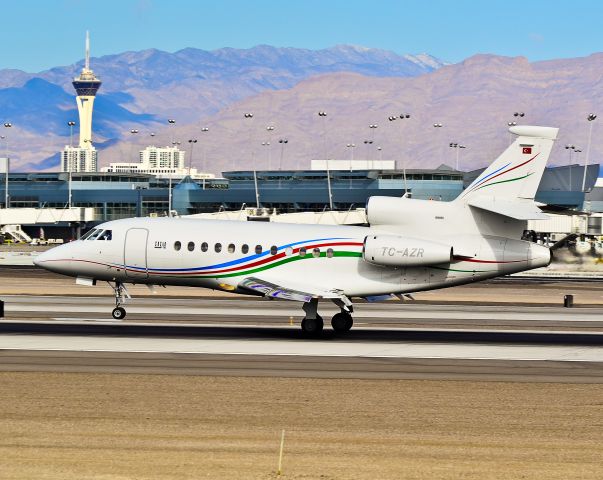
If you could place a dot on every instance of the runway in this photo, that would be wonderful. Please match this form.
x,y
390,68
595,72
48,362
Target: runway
x,y
262,338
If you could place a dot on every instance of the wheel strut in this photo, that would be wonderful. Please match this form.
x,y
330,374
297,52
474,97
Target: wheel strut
x,y
121,296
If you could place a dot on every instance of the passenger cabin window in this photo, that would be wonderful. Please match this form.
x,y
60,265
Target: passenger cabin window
x,y
244,248
106,235
204,247
302,252
273,250
177,245
231,248
316,252
191,246
258,249
218,247
329,253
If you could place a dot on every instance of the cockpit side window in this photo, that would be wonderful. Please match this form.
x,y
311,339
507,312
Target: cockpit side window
x,y
96,233
88,233
106,235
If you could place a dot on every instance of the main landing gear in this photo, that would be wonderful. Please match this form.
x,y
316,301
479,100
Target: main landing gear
x,y
313,324
121,294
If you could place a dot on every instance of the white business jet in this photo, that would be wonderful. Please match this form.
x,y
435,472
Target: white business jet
x,y
408,246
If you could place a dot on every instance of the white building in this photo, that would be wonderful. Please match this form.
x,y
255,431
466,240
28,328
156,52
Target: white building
x,y
78,159
158,161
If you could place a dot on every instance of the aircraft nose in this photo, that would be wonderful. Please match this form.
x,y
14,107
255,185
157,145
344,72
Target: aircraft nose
x,y
56,259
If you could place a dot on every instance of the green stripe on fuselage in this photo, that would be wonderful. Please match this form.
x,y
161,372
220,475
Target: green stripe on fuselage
x,y
268,266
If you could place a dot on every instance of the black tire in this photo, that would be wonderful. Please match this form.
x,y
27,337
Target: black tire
x,y
118,313
342,322
312,326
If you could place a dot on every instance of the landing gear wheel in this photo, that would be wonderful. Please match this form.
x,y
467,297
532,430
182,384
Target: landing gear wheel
x,y
342,322
118,313
312,326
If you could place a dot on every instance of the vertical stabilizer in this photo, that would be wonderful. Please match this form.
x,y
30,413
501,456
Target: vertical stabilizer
x,y
516,174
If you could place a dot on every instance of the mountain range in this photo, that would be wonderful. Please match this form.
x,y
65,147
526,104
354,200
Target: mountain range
x,y
286,87
143,89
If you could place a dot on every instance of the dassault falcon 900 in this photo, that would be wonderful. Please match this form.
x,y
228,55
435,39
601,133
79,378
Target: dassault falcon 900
x,y
409,245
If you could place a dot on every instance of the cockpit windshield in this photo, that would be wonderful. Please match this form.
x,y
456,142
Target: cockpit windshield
x,y
96,233
88,233
106,235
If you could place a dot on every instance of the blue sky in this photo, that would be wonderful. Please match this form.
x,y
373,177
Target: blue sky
x,y
39,34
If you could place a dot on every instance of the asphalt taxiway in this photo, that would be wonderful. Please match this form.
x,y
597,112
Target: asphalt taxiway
x,y
262,338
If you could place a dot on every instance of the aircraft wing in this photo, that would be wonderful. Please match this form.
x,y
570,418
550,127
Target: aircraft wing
x,y
298,293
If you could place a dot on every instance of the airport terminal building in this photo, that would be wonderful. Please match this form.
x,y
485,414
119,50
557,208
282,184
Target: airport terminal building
x,y
121,195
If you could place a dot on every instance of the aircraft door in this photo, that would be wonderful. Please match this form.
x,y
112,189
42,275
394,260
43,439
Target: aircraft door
x,y
135,253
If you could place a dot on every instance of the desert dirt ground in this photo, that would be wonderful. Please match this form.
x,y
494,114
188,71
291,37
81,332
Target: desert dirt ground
x,y
101,426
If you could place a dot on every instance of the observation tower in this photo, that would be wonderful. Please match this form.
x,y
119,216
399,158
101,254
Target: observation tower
x,y
86,86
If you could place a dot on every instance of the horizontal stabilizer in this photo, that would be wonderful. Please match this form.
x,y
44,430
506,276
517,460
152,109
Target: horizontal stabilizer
x,y
515,208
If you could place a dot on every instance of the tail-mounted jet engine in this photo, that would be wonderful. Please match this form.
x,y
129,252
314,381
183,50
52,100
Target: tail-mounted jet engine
x,y
396,251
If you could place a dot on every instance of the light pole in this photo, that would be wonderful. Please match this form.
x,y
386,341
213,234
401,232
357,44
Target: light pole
x,y
372,128
249,116
458,147
191,142
175,145
323,115
283,142
134,132
6,201
351,146
69,184
591,117
438,126
380,150
368,143
267,144
269,129
204,131
71,125
572,149
171,124
393,118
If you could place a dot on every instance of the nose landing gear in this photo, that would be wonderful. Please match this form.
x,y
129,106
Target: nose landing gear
x,y
121,294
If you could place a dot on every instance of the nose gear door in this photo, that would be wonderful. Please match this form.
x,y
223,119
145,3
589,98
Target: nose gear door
x,y
135,253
